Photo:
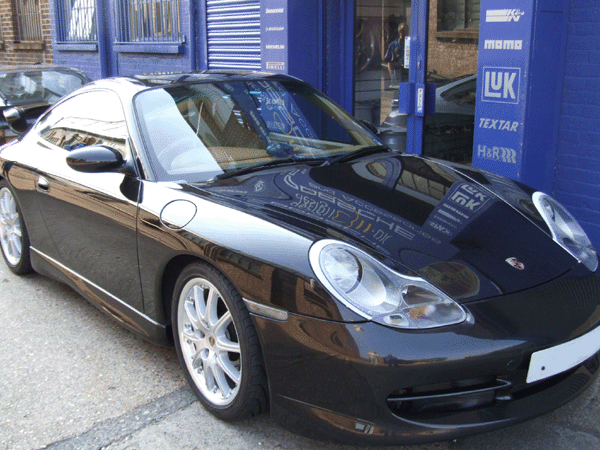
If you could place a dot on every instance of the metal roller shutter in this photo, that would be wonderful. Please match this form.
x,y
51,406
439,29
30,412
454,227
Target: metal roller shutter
x,y
233,29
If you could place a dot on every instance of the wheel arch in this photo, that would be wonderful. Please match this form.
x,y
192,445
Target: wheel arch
x,y
169,278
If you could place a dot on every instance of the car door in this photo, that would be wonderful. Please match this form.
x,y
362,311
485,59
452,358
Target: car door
x,y
90,217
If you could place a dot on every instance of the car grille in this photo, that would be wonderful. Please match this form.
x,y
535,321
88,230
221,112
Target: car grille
x,y
471,394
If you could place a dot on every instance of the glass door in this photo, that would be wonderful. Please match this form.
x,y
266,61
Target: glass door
x,y
415,65
380,29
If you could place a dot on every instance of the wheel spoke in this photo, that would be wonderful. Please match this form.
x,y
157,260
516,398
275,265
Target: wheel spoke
x,y
193,313
228,368
197,360
15,243
211,307
197,295
225,345
221,380
219,327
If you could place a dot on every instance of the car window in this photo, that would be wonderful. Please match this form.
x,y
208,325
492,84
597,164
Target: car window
x,y
37,86
463,93
93,118
196,131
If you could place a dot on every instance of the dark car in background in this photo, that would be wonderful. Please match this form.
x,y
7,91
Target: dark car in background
x,y
33,89
297,264
448,132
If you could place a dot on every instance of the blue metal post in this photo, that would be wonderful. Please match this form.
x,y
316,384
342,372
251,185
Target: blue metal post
x,y
412,94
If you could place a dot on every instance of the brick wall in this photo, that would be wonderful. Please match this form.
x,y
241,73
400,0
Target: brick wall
x,y
12,52
577,170
449,55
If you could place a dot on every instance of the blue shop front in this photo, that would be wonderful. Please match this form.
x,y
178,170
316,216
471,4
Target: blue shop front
x,y
509,86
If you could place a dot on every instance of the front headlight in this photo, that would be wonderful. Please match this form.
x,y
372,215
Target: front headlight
x,y
377,293
566,231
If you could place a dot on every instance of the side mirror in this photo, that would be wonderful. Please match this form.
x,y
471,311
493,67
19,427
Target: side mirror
x,y
16,123
95,158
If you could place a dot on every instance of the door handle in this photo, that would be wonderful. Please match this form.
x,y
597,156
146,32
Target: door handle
x,y
42,184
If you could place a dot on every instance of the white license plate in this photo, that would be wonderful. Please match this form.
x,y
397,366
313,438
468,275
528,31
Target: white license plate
x,y
555,360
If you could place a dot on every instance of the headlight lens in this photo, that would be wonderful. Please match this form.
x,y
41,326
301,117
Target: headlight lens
x,y
377,293
566,231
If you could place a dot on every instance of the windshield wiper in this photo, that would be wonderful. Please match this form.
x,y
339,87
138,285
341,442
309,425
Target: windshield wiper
x,y
356,154
273,163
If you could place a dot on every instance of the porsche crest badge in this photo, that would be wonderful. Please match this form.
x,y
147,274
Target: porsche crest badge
x,y
515,263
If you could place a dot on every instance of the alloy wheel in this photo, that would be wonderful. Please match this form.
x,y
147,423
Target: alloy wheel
x,y
11,234
209,342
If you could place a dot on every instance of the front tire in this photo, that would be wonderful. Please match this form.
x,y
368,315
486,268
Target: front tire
x,y
14,240
217,344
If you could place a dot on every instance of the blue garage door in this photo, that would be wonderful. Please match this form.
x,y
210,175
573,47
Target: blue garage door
x,y
233,29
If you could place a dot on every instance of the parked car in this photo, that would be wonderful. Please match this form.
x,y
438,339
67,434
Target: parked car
x,y
296,263
448,132
33,89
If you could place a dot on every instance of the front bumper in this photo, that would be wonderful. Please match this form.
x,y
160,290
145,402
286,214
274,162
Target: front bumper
x,y
363,383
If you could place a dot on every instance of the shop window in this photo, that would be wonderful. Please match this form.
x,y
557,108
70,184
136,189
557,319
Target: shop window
x,y
77,20
458,17
148,21
27,20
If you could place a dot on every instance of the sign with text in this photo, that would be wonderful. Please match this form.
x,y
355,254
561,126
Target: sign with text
x,y
274,35
504,57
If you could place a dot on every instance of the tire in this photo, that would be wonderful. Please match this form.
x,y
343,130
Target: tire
x,y
14,240
217,344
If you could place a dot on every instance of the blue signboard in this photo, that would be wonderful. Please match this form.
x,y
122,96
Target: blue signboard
x,y
274,36
504,55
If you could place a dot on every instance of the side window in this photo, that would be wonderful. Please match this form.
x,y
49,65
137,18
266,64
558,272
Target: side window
x,y
93,118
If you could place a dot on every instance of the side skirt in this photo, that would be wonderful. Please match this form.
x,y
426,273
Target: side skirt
x,y
130,318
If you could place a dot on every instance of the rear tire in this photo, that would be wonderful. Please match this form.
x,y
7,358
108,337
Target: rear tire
x,y
14,240
217,344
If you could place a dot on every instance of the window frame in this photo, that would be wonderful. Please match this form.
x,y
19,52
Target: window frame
x,y
457,33
65,12
141,27
23,13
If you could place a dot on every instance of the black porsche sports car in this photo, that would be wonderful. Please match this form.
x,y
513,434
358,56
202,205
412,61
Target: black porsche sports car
x,y
296,263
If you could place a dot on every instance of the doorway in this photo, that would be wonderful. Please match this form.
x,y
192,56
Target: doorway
x,y
403,45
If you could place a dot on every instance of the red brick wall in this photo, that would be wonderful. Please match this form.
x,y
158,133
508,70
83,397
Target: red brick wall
x,y
12,52
450,54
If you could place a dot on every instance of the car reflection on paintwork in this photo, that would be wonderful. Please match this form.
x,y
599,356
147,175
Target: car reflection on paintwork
x,y
299,265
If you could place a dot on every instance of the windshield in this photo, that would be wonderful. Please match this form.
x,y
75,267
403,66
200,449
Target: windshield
x,y
39,86
195,132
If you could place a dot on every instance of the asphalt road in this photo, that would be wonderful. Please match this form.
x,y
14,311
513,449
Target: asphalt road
x,y
72,378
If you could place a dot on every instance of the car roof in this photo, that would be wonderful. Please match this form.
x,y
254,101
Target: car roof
x,y
170,78
21,68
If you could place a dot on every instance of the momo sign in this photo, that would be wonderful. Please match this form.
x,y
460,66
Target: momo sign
x,y
503,44
501,84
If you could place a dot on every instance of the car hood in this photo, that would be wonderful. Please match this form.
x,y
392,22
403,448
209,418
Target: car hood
x,y
472,234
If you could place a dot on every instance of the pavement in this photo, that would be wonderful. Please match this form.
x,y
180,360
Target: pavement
x,y
72,378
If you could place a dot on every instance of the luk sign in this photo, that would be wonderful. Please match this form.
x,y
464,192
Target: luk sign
x,y
501,84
